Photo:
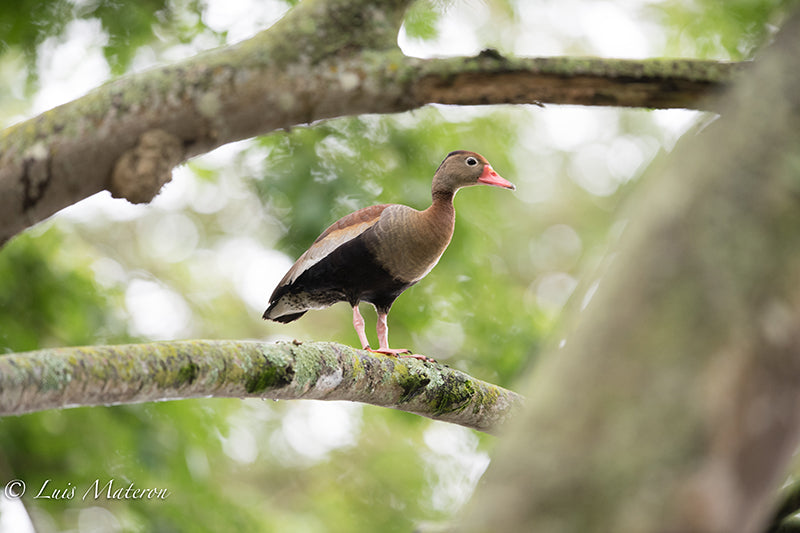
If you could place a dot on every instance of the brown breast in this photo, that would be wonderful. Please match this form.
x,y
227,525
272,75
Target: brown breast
x,y
408,243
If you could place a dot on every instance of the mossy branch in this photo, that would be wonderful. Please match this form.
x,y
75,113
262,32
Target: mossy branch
x,y
325,58
103,375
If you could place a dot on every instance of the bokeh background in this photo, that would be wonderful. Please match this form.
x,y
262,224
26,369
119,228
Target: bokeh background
x,y
201,260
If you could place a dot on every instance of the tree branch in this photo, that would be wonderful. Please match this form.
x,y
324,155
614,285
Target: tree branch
x,y
492,79
325,58
672,405
103,375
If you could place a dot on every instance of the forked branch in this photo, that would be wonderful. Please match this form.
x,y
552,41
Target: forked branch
x,y
324,59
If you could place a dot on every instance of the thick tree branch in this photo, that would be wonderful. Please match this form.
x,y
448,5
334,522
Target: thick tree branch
x,y
103,375
493,79
325,58
673,404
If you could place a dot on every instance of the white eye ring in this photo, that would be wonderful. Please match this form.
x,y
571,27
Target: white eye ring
x,y
471,161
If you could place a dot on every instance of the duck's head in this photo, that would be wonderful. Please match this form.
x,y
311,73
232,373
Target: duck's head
x,y
462,169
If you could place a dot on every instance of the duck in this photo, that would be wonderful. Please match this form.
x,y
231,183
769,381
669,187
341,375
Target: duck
x,y
374,254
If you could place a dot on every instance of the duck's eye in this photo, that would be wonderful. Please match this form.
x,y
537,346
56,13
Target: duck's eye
x,y
471,161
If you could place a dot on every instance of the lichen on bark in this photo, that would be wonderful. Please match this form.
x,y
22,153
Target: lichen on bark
x,y
323,59
98,375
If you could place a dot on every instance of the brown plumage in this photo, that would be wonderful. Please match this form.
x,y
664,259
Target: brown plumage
x,y
375,253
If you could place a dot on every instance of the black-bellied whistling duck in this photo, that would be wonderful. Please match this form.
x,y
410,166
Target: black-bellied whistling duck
x,y
377,252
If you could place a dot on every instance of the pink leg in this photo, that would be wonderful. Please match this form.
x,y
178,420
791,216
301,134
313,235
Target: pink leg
x,y
358,323
383,337
383,340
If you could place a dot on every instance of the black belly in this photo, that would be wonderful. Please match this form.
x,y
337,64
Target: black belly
x,y
349,273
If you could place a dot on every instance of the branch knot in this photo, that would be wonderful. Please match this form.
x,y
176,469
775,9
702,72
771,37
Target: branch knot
x,y
141,171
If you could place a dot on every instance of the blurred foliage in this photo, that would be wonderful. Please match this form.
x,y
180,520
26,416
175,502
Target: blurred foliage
x,y
420,21
25,24
201,260
130,25
733,30
60,303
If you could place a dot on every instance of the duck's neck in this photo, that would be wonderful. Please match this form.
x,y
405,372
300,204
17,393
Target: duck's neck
x,y
441,213
442,200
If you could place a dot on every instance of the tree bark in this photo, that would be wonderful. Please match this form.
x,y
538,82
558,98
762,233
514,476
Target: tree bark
x,y
102,375
325,58
673,404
